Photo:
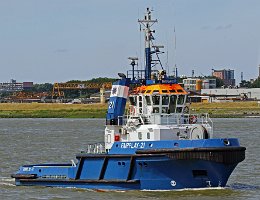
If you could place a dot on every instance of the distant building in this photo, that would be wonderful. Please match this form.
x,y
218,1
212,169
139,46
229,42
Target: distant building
x,y
196,84
27,85
226,75
97,95
216,95
13,86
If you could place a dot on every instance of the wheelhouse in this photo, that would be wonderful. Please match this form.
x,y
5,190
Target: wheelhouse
x,y
158,99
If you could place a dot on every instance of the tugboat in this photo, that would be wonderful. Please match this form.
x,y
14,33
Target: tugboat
x,y
154,144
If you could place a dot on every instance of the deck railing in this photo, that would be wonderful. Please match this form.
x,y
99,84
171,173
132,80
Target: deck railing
x,y
97,148
167,119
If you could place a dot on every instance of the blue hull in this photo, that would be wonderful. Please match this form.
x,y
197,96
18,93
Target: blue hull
x,y
147,169
158,175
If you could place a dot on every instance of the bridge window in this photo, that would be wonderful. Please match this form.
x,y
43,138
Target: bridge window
x,y
133,100
165,109
148,135
140,104
156,110
148,100
140,98
179,110
164,91
165,100
173,103
181,99
156,100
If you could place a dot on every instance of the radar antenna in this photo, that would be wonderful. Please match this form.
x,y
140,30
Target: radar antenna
x,y
133,63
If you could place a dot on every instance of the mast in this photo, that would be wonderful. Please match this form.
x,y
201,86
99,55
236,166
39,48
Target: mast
x,y
148,22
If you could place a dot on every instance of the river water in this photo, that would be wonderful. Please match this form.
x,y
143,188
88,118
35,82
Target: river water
x,y
32,141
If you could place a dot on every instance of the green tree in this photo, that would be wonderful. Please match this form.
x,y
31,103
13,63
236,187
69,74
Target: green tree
x,y
219,82
246,84
256,83
44,87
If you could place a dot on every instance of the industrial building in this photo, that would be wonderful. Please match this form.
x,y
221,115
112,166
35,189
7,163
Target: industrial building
x,y
196,84
14,86
215,95
226,75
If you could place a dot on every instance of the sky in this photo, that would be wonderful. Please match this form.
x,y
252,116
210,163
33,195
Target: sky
x,y
61,40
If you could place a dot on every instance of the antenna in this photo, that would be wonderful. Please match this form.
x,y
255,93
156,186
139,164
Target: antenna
x,y
174,51
167,65
242,78
259,71
147,23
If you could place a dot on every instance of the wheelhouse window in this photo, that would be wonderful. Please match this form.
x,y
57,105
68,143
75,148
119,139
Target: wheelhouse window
x,y
156,99
165,100
148,100
140,104
156,110
165,110
172,106
179,110
156,103
165,103
180,103
181,99
132,100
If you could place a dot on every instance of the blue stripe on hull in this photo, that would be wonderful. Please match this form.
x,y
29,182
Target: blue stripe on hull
x,y
94,186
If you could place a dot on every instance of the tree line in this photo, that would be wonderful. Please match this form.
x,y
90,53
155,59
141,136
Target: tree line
x,y
47,87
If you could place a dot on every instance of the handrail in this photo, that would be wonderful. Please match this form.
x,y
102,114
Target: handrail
x,y
168,119
96,148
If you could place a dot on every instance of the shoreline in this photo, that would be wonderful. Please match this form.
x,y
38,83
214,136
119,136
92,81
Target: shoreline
x,y
47,110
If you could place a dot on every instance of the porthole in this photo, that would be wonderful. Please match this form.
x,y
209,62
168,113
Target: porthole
x,y
139,135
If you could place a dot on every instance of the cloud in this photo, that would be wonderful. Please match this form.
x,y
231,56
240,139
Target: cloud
x,y
224,27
